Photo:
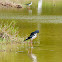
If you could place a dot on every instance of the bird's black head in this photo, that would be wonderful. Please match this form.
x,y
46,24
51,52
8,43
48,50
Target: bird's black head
x,y
37,31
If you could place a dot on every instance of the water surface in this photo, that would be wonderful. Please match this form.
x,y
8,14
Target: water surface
x,y
47,47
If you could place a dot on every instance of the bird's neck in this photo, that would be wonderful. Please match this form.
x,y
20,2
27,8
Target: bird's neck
x,y
31,2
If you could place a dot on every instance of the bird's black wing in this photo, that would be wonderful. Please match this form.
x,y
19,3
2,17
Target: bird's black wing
x,y
32,33
28,38
28,4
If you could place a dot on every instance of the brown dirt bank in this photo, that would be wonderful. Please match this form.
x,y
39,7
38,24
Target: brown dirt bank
x,y
10,5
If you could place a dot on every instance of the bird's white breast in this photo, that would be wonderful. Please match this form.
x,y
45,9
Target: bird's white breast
x,y
35,35
30,4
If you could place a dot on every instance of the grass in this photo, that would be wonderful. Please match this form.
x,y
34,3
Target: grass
x,y
8,33
10,41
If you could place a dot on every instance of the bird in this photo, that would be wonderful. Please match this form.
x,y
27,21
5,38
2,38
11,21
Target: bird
x,y
32,36
29,4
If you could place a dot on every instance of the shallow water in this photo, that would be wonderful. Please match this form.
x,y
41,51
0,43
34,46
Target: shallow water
x,y
47,47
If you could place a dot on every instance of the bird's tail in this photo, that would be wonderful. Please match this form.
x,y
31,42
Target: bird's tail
x,y
26,4
27,38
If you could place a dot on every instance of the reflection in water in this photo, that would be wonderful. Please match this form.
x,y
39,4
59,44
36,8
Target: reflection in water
x,y
38,27
39,6
32,56
53,3
30,12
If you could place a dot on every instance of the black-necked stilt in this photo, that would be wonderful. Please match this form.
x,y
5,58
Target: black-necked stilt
x,y
29,4
32,36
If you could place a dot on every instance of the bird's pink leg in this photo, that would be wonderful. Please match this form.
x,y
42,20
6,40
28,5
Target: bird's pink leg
x,y
30,43
29,8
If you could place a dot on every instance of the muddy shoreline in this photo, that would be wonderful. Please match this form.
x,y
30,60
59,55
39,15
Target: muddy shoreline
x,y
10,5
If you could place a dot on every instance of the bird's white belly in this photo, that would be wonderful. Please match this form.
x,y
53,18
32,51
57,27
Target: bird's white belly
x,y
35,35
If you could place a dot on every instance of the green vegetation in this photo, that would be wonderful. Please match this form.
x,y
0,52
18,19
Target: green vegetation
x,y
8,32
